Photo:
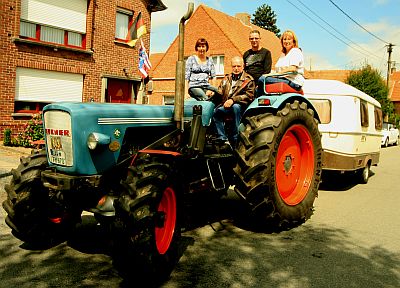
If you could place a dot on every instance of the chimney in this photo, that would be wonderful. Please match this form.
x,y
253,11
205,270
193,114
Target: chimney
x,y
244,17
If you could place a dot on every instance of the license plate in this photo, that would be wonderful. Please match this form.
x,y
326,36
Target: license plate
x,y
57,155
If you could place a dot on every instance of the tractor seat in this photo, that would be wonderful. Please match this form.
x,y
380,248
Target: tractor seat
x,y
277,89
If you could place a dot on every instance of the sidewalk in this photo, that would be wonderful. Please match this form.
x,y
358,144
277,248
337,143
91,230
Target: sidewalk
x,y
9,156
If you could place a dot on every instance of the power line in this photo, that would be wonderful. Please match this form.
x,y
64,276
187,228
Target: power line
x,y
337,30
327,30
357,23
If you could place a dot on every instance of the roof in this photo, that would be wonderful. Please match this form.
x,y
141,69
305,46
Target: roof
x,y
155,58
334,87
340,75
238,32
156,5
394,94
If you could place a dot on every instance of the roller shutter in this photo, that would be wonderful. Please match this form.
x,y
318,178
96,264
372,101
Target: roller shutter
x,y
35,85
67,15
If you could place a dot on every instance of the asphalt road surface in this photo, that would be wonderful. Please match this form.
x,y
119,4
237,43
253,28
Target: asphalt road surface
x,y
352,240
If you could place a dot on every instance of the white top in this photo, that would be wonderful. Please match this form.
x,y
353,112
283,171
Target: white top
x,y
293,58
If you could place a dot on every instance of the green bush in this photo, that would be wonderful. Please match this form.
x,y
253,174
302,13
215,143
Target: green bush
x,y
7,137
33,130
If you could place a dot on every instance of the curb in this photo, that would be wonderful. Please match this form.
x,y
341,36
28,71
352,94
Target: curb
x,y
16,150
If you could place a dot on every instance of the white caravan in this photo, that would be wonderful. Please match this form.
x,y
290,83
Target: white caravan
x,y
351,126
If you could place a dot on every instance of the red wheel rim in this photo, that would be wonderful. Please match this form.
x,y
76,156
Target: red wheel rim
x,y
164,234
295,165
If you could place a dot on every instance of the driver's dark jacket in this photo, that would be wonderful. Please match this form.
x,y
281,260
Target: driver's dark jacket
x,y
242,92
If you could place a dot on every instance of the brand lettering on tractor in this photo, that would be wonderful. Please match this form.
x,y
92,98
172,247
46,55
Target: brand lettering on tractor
x,y
59,132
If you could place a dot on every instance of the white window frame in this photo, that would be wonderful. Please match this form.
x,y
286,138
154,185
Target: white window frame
x,y
123,20
168,99
219,64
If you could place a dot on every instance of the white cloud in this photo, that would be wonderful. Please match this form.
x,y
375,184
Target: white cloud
x,y
314,61
381,2
172,15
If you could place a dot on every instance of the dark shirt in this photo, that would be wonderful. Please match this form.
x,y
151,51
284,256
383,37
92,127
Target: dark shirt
x,y
257,63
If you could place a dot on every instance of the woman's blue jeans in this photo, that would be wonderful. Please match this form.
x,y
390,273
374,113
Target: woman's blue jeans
x,y
199,93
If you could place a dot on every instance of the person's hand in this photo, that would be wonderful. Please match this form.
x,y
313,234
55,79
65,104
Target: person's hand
x,y
228,103
209,93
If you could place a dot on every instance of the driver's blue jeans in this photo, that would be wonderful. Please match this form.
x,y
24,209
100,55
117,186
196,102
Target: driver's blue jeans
x,y
219,116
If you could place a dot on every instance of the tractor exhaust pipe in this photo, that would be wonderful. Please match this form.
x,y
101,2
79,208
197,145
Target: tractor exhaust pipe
x,y
180,71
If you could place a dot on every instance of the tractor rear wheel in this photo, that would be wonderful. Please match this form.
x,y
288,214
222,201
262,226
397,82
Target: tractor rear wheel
x,y
147,223
27,204
279,165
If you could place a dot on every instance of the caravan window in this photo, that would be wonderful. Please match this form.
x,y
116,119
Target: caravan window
x,y
323,107
364,113
378,118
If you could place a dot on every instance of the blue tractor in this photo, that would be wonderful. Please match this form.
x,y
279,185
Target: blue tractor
x,y
136,166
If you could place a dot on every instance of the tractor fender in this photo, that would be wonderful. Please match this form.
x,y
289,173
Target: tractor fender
x,y
276,102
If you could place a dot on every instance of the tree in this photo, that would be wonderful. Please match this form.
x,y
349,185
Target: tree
x,y
370,81
265,17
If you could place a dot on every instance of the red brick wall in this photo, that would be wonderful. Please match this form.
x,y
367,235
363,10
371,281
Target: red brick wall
x,y
108,58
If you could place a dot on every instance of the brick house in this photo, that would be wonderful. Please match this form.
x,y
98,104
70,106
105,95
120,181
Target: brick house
x,y
227,36
394,92
73,50
340,75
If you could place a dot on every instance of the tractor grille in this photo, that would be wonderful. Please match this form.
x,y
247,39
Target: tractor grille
x,y
59,137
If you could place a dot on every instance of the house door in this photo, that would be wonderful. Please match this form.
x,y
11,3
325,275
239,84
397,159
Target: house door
x,y
119,91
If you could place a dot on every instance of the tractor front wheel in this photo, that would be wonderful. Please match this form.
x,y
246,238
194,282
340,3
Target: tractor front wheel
x,y
30,213
147,221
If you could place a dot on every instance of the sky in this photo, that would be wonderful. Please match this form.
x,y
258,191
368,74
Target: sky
x,y
333,34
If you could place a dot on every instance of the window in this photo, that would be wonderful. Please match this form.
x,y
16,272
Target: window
x,y
57,21
323,107
28,107
378,118
123,21
219,64
36,88
168,100
364,113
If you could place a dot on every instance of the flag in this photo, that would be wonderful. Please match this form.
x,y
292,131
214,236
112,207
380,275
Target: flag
x,y
137,30
144,61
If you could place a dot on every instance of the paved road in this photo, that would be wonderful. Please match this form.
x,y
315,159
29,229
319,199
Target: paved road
x,y
352,240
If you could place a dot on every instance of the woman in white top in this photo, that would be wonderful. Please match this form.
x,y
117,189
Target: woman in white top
x,y
290,66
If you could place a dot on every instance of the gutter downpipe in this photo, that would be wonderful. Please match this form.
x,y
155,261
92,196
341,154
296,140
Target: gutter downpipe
x,y
180,71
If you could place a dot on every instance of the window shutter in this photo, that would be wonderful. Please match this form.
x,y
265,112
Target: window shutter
x,y
68,15
48,86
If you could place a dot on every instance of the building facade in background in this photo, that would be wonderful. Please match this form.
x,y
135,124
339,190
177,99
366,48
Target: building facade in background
x,y
73,50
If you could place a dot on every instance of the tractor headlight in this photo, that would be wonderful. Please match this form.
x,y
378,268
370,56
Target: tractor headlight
x,y
94,139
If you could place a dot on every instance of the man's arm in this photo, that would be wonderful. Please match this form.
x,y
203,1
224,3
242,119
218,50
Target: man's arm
x,y
267,62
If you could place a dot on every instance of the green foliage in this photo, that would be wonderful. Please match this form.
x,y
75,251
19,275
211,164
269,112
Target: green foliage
x,y
33,130
265,17
7,137
370,81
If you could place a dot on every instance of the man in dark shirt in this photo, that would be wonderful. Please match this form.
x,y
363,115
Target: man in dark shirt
x,y
257,60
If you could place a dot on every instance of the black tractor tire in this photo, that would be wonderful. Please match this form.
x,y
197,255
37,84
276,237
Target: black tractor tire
x,y
147,229
27,204
279,166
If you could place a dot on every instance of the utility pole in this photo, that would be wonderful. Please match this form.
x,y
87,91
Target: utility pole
x,y
389,50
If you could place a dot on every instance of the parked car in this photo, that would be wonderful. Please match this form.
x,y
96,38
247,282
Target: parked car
x,y
390,135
